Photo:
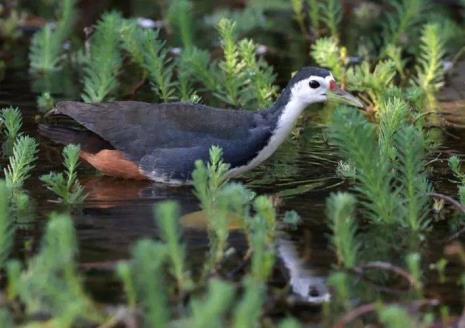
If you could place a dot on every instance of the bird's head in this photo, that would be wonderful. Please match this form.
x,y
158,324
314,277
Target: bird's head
x,y
314,85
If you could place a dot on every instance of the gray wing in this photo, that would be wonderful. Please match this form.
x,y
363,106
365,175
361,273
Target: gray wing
x,y
166,139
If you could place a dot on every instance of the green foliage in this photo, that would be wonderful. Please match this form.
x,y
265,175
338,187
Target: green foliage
x,y
12,122
168,216
372,84
45,53
7,227
148,51
247,313
299,14
50,284
263,231
314,12
148,279
45,102
392,115
231,66
289,323
66,185
340,209
410,144
260,90
393,316
209,179
331,17
180,17
414,267
21,162
430,69
327,53
357,141
399,24
209,312
103,62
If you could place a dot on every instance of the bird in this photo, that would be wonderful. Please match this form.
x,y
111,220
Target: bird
x,y
162,142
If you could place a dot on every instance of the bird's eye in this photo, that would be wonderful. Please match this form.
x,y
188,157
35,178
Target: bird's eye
x,y
314,84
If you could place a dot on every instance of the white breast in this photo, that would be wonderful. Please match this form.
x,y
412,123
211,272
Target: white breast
x,y
284,127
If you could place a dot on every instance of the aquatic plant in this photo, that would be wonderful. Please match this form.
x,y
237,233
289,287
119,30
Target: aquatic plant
x,y
148,281
148,51
50,283
233,76
21,162
66,184
45,53
415,187
262,239
394,316
399,24
331,17
260,89
168,215
7,227
249,309
208,179
327,53
340,209
180,18
45,102
11,122
210,310
103,61
372,83
430,68
299,15
356,139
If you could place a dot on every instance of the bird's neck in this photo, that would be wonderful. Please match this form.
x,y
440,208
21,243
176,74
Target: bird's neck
x,y
283,115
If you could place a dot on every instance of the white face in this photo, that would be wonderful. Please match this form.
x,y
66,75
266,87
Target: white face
x,y
312,90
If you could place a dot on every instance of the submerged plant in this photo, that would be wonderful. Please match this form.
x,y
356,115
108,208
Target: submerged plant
x,y
340,209
103,62
66,185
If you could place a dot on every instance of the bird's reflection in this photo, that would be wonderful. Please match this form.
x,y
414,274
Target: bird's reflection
x,y
111,194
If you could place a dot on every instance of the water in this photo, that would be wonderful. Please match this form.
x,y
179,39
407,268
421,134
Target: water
x,y
301,175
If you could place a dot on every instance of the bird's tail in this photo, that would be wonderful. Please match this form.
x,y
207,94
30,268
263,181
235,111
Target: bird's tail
x,y
66,135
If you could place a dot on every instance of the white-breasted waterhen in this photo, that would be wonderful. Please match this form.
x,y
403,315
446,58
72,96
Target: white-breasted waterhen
x,y
161,142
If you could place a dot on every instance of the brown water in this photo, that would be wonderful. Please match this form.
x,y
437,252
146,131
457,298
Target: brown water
x,y
302,173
